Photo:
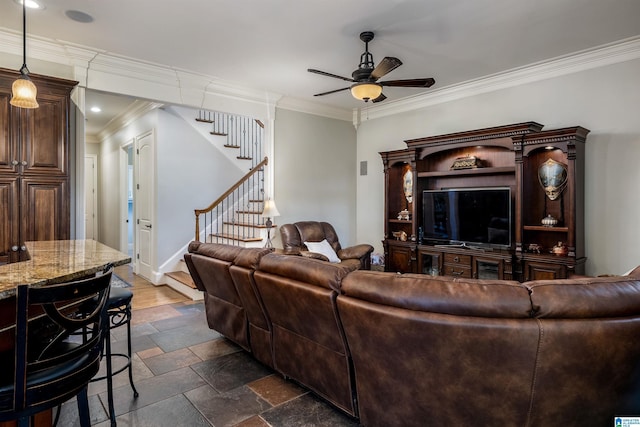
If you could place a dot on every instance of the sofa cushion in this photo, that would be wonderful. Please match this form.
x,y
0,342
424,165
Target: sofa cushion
x,y
215,250
446,295
250,257
589,297
307,270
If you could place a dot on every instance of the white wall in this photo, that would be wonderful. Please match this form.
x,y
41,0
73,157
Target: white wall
x,y
315,172
191,173
604,100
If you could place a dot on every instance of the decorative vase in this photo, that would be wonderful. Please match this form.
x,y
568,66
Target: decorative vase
x,y
549,221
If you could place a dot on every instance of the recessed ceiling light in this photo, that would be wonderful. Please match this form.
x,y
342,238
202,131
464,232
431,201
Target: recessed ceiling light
x,y
78,16
96,109
31,4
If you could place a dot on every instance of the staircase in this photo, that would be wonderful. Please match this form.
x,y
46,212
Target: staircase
x,y
235,218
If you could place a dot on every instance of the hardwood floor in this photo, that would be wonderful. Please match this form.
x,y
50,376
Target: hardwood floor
x,y
146,294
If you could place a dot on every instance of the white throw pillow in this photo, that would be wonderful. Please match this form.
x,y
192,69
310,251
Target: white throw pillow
x,y
323,248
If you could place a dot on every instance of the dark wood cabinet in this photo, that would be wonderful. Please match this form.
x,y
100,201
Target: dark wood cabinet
x,y
400,257
508,157
34,166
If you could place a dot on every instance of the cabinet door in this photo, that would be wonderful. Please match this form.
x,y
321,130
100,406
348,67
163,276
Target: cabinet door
x,y
488,268
45,209
43,137
9,239
400,258
429,262
8,145
544,271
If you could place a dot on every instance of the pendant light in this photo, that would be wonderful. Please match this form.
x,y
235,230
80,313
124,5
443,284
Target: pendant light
x,y
23,90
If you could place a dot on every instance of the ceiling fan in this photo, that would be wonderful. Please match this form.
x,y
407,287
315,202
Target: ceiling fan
x,y
365,79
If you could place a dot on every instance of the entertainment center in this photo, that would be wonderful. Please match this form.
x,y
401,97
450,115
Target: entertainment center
x,y
505,202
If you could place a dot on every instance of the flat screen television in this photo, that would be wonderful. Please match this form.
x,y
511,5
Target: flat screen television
x,y
467,216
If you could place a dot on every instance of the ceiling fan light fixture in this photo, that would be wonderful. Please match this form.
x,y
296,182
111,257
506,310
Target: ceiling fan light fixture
x,y
366,91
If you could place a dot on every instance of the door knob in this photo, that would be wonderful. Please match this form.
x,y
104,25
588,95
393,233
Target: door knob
x,y
14,248
23,163
148,226
23,248
14,162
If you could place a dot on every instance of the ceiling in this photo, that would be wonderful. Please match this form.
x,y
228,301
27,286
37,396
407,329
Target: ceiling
x,y
269,44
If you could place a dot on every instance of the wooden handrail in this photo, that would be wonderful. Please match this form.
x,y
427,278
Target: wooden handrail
x,y
227,193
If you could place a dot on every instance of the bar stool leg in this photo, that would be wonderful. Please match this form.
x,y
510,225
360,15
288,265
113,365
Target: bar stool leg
x,y
109,377
133,387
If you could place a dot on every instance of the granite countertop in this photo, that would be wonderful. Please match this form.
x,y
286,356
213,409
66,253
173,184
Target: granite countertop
x,y
58,261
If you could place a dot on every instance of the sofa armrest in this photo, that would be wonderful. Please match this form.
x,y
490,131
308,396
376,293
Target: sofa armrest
x,y
314,255
355,252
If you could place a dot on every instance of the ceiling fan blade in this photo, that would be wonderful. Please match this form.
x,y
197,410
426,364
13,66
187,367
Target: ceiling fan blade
x,y
380,98
385,66
331,91
428,82
324,73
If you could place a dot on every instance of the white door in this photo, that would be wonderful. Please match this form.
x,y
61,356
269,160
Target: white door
x,y
90,197
144,204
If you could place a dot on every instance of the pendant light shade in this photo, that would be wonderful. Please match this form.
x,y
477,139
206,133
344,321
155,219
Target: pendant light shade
x,y
23,91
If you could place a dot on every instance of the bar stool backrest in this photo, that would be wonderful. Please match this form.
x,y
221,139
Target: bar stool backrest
x,y
59,332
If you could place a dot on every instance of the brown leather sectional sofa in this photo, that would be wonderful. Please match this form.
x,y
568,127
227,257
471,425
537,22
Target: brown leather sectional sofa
x,y
404,350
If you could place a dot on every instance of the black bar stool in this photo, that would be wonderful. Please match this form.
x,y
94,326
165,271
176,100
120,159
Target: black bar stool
x,y
119,312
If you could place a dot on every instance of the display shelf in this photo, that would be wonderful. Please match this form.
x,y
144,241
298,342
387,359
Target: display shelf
x,y
473,171
546,229
400,221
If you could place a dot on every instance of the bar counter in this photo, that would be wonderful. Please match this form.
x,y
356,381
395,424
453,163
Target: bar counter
x,y
58,261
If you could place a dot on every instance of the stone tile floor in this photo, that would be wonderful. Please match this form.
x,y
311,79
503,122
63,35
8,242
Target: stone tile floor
x,y
189,375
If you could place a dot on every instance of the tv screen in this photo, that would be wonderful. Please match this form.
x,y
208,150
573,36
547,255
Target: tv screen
x,y
476,216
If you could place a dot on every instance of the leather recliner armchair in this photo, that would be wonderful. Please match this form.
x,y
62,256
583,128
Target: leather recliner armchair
x,y
294,235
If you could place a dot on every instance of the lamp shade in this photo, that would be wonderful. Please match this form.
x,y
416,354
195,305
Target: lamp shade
x,y
270,210
24,93
366,91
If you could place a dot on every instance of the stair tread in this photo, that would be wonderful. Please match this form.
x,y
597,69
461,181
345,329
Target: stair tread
x,y
241,239
246,224
182,277
248,212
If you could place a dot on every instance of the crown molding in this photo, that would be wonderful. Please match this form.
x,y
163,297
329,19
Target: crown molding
x,y
613,53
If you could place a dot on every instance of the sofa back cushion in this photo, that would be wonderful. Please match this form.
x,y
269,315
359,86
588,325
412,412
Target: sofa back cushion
x,y
306,270
446,295
308,342
589,330
439,351
589,297
294,235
